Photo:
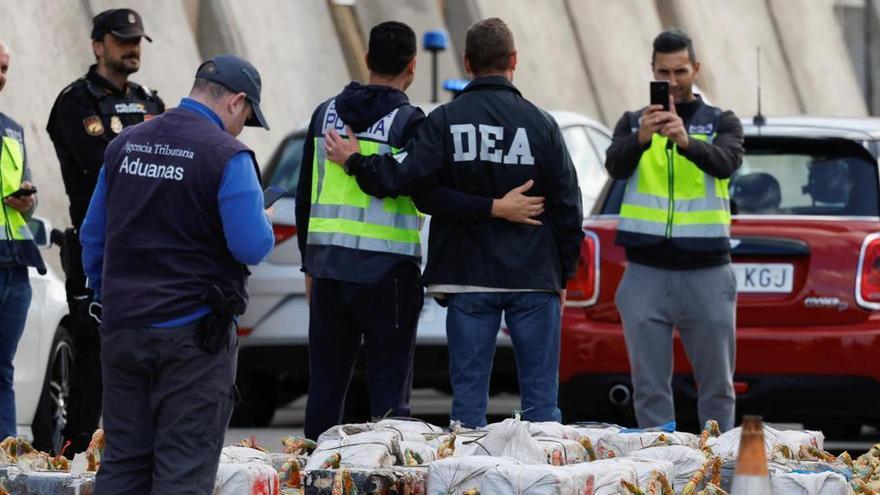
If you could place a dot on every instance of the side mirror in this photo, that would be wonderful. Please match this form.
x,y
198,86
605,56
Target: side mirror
x,y
40,228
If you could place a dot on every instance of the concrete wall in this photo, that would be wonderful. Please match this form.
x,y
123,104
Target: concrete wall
x,y
292,43
817,57
550,70
40,67
616,39
725,35
421,15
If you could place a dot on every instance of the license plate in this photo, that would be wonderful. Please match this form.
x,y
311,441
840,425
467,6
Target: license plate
x,y
764,277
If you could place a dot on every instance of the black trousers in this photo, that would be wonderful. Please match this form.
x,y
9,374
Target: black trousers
x,y
384,316
84,401
167,404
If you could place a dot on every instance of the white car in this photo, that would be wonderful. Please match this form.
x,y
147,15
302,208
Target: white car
x,y
273,356
44,357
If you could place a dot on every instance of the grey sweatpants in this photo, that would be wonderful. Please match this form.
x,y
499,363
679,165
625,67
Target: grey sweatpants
x,y
167,404
701,304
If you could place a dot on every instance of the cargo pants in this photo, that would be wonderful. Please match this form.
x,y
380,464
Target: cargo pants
x,y
167,404
701,304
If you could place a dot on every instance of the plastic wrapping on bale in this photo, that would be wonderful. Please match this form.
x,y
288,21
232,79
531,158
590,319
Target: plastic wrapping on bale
x,y
340,431
602,477
350,481
240,455
623,442
456,475
408,425
686,461
796,483
511,438
15,482
371,449
531,480
249,478
416,454
727,445
562,451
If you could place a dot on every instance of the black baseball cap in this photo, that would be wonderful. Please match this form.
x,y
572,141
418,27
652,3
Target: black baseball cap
x,y
125,24
238,75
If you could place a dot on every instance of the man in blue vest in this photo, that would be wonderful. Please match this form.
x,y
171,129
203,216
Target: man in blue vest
x,y
17,252
176,216
675,226
361,254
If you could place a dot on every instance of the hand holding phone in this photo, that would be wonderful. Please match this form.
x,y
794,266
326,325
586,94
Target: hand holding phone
x,y
272,194
660,94
21,193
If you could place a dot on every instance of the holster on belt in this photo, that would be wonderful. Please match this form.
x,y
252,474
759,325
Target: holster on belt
x,y
214,328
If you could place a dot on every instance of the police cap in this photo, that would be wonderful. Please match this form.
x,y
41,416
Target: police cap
x,y
125,24
238,75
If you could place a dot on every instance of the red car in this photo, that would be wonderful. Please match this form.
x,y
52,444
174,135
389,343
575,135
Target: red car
x,y
806,251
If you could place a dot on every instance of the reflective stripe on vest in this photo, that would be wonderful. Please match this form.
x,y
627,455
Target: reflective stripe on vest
x,y
669,196
11,173
343,215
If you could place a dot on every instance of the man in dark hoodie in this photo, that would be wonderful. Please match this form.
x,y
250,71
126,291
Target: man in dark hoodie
x,y
361,254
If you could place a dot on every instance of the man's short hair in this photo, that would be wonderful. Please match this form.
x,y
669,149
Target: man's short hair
x,y
488,46
392,47
210,88
671,41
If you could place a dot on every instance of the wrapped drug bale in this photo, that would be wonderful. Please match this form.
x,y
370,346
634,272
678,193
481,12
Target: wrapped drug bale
x,y
240,455
455,475
408,425
349,481
529,479
370,449
416,454
602,477
16,481
645,468
786,443
256,478
686,461
625,441
340,431
547,429
511,438
562,451
801,483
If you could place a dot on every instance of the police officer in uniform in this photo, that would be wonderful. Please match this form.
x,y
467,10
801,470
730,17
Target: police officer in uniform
x,y
486,141
176,217
87,115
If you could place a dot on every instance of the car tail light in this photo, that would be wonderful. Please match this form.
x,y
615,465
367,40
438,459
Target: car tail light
x,y
244,331
868,279
283,232
583,289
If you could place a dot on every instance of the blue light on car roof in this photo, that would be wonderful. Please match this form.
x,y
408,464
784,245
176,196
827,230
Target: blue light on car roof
x,y
455,85
435,41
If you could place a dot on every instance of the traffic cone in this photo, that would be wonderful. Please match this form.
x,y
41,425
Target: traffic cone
x,y
752,476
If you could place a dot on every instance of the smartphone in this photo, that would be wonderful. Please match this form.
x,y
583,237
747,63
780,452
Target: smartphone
x,y
22,193
660,94
272,194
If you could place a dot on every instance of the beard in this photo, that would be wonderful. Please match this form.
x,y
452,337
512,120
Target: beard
x,y
125,65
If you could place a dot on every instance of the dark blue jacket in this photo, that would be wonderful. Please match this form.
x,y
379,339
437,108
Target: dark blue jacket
x,y
486,142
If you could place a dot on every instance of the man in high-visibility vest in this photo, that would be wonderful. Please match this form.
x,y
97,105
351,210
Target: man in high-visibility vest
x,y
675,226
17,251
362,254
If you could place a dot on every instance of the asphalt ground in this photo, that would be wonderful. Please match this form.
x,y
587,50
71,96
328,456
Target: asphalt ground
x,y
433,406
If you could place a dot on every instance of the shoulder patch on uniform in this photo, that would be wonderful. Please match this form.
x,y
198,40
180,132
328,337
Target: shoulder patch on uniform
x,y
93,125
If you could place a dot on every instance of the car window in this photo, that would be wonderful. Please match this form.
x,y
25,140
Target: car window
x,y
796,176
805,177
283,169
587,162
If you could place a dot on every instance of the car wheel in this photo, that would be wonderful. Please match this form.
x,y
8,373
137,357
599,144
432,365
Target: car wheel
x,y
258,401
51,416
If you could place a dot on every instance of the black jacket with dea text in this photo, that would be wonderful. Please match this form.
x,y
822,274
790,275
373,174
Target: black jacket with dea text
x,y
486,142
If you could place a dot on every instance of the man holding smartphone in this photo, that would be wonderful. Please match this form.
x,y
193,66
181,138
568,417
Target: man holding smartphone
x,y
675,226
17,251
